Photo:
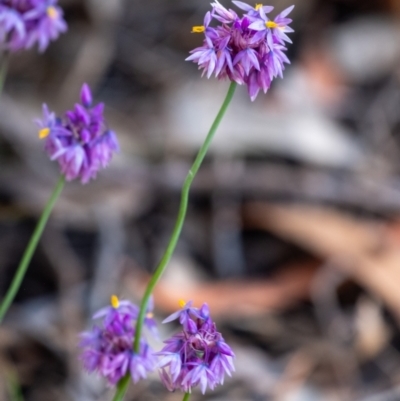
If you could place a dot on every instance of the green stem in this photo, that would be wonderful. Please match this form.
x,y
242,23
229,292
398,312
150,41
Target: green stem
x,y
186,397
3,71
124,382
14,386
181,215
30,249
122,386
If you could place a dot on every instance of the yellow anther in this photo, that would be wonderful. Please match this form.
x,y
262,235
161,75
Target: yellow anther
x,y
44,132
182,303
271,24
198,29
149,315
258,6
114,301
52,12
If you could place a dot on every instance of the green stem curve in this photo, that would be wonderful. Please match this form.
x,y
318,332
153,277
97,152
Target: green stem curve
x,y
181,215
124,382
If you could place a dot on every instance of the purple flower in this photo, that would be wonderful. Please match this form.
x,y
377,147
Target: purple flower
x,y
196,356
24,23
119,314
221,14
108,348
80,142
205,56
86,95
149,321
275,30
184,315
142,363
253,83
252,11
248,58
12,27
248,49
201,375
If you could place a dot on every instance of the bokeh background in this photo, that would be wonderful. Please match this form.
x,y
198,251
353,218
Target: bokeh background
x,y
293,228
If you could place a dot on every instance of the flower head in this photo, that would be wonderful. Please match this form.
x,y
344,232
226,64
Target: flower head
x,y
108,348
80,141
248,50
24,23
196,356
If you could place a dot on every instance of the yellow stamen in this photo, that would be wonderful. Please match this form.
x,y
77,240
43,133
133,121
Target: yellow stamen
x,y
114,301
52,12
271,24
198,29
258,6
44,132
182,303
149,315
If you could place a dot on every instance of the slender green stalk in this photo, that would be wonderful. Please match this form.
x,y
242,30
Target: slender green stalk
x,y
181,215
186,397
124,382
122,386
3,70
30,249
14,388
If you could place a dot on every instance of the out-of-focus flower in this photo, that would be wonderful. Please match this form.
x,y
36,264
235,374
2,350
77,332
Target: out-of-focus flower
x,y
247,50
196,356
108,348
24,23
80,141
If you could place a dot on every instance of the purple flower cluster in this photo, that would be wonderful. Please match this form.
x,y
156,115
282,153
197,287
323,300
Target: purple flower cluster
x,y
247,50
108,348
23,23
198,355
80,141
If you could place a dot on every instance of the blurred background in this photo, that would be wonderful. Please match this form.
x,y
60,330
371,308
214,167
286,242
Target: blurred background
x,y
293,229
